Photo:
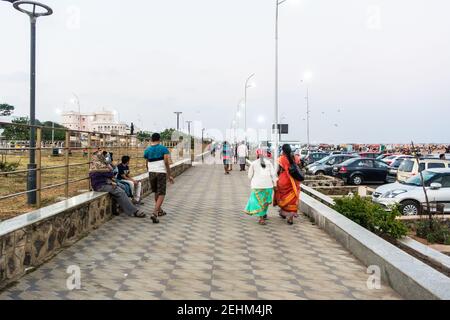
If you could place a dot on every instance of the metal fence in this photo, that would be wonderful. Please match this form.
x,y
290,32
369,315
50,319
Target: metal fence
x,y
62,162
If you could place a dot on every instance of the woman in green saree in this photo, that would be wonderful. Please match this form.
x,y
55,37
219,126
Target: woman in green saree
x,y
263,180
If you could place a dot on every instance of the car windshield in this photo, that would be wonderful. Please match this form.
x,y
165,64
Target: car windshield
x,y
406,166
348,162
397,163
428,176
324,160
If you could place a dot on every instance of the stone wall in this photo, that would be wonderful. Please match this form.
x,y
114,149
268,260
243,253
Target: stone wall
x,y
29,240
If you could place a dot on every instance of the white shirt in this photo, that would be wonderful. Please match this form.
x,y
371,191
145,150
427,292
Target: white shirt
x,y
242,151
262,178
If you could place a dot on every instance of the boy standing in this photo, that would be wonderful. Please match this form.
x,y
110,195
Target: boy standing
x,y
158,166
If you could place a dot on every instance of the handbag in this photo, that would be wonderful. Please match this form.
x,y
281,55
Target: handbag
x,y
296,173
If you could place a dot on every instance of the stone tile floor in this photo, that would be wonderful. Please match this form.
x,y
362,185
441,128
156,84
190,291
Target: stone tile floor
x,y
205,248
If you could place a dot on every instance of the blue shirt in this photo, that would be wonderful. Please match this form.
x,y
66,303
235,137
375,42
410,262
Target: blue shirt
x,y
155,156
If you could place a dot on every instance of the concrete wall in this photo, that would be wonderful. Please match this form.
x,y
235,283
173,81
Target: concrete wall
x,y
31,239
410,277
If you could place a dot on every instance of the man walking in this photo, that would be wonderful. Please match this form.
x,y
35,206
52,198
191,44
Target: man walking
x,y
242,154
158,166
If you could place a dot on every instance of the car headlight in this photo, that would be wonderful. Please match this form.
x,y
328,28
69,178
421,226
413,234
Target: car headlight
x,y
393,194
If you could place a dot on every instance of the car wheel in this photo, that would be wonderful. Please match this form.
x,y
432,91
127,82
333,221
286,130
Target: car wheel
x,y
357,180
410,208
320,173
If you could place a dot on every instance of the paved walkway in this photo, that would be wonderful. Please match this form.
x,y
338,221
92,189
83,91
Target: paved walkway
x,y
206,248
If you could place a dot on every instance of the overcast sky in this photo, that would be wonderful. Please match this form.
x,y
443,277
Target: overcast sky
x,y
380,68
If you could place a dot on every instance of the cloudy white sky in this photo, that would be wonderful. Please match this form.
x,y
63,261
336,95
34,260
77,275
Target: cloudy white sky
x,y
385,64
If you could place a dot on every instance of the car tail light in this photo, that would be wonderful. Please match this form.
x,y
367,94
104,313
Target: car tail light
x,y
343,170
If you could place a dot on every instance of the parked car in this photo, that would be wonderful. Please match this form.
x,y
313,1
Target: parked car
x,y
383,156
325,166
312,157
362,170
371,155
393,169
410,196
410,167
391,159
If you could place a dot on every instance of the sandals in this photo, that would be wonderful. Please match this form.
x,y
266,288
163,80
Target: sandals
x,y
161,213
154,219
139,214
262,222
290,222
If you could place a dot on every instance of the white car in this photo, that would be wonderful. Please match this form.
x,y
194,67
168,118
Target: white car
x,y
410,196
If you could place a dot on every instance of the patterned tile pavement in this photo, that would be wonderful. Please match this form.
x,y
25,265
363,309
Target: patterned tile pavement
x,y
205,248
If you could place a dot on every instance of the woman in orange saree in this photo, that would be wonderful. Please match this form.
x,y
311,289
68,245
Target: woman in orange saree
x,y
288,189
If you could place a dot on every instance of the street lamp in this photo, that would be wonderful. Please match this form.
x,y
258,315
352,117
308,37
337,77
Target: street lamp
x,y
33,14
77,101
178,113
278,3
189,126
247,85
306,78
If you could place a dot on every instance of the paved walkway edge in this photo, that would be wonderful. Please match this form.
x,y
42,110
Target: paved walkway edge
x,y
407,275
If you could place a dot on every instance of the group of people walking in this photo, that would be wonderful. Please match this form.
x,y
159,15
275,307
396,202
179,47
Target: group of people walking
x,y
239,153
281,188
117,181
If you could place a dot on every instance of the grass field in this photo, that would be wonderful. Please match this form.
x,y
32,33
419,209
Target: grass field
x,y
16,182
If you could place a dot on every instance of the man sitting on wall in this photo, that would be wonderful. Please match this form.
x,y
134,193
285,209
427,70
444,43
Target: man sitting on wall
x,y
101,175
123,175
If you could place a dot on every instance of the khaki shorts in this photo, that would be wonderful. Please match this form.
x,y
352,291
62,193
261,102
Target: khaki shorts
x,y
158,183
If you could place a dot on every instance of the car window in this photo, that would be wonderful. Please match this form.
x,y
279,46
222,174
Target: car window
x,y
406,166
436,165
364,163
445,181
381,165
332,161
421,167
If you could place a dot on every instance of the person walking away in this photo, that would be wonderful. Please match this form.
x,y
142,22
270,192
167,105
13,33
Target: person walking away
x,y
288,190
123,174
226,155
242,153
101,175
263,180
158,166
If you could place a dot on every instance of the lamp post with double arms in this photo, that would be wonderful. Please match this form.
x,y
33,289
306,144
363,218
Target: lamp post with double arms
x,y
247,85
276,129
34,10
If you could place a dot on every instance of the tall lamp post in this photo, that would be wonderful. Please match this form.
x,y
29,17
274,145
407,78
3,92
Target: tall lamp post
x,y
276,129
33,14
247,85
306,78
178,113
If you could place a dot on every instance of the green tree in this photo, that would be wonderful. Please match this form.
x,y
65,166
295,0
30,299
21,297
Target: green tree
x,y
60,135
12,132
6,110
166,135
143,135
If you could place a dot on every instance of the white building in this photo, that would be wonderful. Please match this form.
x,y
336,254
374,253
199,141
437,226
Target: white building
x,y
101,121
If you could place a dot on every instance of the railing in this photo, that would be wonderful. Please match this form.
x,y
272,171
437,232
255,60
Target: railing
x,y
62,165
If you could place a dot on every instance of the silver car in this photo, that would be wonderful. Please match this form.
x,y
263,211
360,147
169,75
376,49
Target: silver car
x,y
410,196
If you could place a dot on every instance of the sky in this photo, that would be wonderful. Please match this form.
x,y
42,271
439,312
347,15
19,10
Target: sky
x,y
380,69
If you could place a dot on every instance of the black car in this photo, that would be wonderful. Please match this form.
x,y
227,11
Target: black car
x,y
362,170
325,166
312,157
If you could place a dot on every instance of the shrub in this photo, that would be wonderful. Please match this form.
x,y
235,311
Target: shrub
x,y
371,216
440,233
8,166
